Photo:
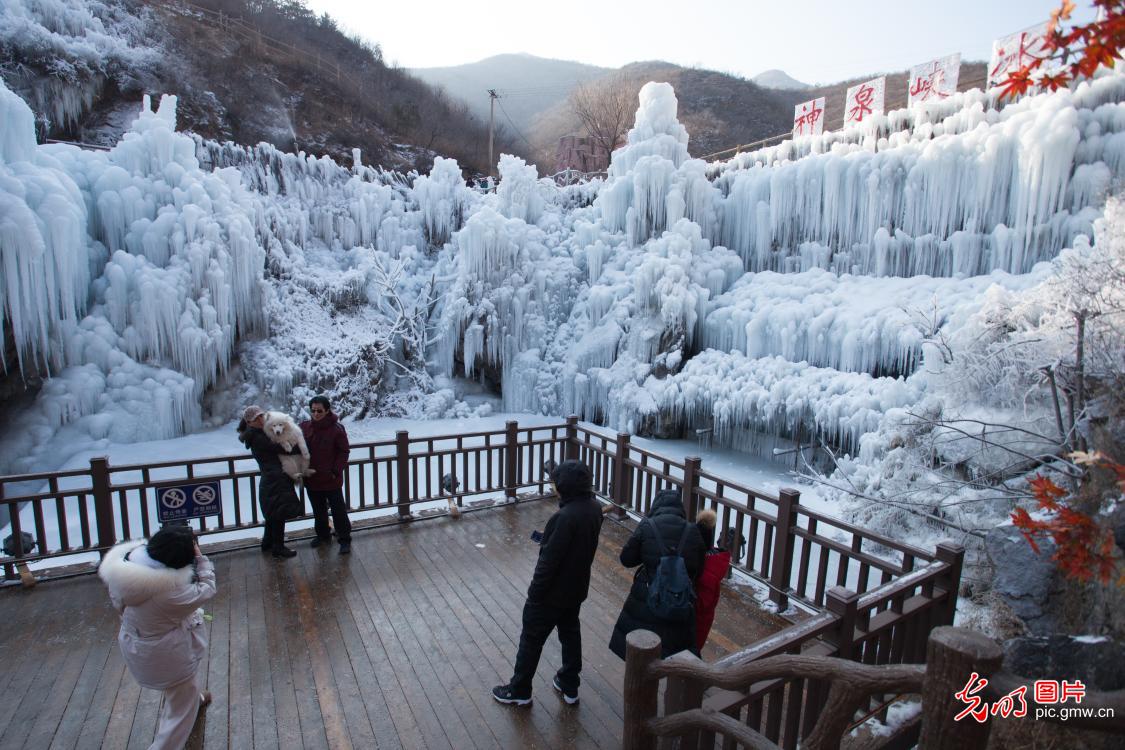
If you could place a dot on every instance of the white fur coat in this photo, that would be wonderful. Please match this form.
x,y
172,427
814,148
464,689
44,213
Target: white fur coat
x,y
162,637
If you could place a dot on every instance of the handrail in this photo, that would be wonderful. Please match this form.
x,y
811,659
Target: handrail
x,y
88,510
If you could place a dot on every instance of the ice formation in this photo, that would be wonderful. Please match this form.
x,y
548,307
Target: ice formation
x,y
790,293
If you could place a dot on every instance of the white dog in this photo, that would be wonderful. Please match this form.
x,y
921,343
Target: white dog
x,y
281,429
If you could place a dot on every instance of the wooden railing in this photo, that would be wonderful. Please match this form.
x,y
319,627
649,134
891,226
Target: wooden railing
x,y
89,510
797,552
844,689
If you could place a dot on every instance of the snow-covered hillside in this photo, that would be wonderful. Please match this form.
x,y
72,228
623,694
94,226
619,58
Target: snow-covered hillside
x,y
802,292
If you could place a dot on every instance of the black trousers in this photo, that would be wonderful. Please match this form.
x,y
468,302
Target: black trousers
x,y
273,537
538,622
322,501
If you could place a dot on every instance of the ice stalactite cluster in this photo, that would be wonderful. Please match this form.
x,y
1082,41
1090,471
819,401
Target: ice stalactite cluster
x,y
130,276
510,291
651,181
951,204
852,323
442,197
67,51
134,274
974,191
790,295
43,255
519,194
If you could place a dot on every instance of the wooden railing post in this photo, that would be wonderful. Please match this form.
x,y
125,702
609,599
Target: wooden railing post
x,y
402,466
682,694
103,503
952,555
570,451
952,656
782,567
622,477
642,648
511,458
691,484
842,603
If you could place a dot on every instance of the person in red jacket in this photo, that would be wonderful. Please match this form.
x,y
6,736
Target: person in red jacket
x,y
328,457
709,584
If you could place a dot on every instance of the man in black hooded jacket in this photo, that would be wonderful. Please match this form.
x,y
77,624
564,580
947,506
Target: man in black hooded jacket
x,y
558,587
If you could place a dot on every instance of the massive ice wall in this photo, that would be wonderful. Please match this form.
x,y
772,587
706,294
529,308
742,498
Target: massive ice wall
x,y
950,202
135,279
129,276
978,190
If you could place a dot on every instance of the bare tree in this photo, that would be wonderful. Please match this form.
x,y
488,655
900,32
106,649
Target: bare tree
x,y
606,107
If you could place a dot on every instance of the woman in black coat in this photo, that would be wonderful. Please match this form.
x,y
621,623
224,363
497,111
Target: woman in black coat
x,y
276,495
642,549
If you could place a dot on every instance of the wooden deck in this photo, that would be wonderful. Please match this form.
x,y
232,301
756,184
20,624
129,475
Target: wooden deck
x,y
396,646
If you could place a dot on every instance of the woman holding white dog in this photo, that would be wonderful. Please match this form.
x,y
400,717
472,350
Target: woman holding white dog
x,y
276,494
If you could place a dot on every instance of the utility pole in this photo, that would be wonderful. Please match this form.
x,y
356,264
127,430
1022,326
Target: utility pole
x,y
492,97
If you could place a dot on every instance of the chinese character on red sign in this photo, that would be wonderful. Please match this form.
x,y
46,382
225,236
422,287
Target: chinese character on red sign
x,y
808,118
976,707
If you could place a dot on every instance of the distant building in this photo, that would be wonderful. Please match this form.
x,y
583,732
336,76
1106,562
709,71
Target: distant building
x,y
580,153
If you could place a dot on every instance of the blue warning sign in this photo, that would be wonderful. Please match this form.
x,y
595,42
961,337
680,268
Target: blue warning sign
x,y
181,501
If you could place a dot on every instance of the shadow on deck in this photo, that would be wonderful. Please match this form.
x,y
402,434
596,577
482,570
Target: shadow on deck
x,y
395,646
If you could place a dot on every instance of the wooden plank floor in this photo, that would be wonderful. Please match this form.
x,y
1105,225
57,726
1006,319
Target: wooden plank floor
x,y
397,645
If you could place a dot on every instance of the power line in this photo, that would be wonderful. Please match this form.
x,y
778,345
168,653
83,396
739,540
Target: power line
x,y
514,125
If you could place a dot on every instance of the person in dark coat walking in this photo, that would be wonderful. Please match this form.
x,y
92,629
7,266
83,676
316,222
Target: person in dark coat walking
x,y
558,587
327,441
642,549
276,496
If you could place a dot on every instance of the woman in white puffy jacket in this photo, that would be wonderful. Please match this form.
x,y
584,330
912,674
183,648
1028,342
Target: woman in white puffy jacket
x,y
157,587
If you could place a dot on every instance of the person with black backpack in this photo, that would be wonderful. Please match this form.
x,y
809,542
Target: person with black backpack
x,y
670,552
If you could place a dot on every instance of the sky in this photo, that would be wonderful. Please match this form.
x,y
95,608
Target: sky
x,y
815,41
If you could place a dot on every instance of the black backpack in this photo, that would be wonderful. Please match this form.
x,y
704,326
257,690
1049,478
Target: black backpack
x,y
670,593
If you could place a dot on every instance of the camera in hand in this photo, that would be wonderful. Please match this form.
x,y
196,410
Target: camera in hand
x,y
537,537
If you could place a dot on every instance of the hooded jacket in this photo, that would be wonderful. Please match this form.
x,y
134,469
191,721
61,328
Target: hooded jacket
x,y
275,490
570,539
327,441
162,637
642,549
709,584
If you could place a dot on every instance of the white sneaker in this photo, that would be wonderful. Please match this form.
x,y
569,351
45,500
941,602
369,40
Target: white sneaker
x,y
571,700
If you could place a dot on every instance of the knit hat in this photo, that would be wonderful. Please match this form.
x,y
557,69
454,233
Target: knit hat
x,y
173,546
250,413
